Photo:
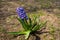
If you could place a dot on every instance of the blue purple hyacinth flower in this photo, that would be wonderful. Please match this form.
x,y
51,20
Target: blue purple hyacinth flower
x,y
21,13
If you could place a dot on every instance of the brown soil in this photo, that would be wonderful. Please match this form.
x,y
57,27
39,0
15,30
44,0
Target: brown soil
x,y
8,22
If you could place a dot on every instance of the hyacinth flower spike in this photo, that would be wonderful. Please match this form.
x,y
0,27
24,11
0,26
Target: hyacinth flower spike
x,y
21,13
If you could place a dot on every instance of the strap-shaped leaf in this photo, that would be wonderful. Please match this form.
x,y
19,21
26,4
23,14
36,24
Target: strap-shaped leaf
x,y
23,23
34,24
30,21
17,33
27,34
26,24
35,17
42,24
37,27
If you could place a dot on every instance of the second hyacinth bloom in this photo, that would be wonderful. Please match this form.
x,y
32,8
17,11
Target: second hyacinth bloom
x,y
21,13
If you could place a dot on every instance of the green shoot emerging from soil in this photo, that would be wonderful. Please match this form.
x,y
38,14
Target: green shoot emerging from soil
x,y
30,26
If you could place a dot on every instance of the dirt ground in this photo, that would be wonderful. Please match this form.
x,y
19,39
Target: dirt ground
x,y
8,22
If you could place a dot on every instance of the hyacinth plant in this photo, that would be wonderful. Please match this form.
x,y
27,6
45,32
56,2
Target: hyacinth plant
x,y
30,27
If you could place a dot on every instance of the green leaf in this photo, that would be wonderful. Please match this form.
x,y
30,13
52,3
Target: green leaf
x,y
20,32
34,24
43,24
23,23
16,33
13,33
35,17
36,28
30,21
27,34
26,24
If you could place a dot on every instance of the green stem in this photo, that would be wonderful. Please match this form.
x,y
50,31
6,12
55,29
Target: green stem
x,y
27,34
